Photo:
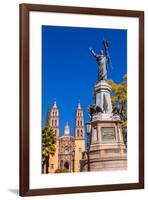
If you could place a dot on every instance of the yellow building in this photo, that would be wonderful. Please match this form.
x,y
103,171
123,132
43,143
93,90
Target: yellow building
x,y
68,148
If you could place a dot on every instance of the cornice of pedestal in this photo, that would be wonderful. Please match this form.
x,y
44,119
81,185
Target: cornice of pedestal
x,y
102,86
103,117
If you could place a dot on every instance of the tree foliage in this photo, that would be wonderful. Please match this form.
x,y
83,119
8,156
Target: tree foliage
x,y
59,170
48,142
119,100
48,146
48,116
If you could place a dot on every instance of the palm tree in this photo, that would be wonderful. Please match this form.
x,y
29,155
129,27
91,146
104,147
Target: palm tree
x,y
48,115
48,142
48,146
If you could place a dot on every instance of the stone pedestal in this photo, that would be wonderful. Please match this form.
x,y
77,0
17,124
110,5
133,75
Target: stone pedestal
x,y
102,96
107,149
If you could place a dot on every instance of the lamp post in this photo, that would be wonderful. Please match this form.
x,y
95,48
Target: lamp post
x,y
88,131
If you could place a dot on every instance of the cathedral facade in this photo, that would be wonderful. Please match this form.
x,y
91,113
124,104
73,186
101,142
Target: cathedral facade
x,y
68,148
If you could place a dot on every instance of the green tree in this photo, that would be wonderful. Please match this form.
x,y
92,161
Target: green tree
x,y
48,115
48,146
119,100
48,142
59,170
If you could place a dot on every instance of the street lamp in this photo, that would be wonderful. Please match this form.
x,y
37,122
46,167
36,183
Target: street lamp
x,y
88,131
88,127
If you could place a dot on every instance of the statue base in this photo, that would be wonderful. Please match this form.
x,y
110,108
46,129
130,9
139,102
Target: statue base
x,y
102,96
107,149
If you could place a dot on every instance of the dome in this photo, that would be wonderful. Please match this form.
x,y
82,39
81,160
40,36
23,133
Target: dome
x,y
67,129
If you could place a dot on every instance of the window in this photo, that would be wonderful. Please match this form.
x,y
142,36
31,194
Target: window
x,y
52,122
61,164
55,122
78,123
81,133
81,123
77,132
66,151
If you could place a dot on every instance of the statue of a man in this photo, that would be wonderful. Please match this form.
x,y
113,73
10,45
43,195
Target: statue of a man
x,y
102,61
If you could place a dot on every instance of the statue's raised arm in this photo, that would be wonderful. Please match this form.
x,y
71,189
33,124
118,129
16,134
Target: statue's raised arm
x,y
93,53
102,61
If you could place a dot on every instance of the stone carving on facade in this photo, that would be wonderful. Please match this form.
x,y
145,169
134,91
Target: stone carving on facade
x,y
68,154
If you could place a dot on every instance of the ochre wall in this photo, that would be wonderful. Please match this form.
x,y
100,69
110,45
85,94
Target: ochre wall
x,y
54,160
79,148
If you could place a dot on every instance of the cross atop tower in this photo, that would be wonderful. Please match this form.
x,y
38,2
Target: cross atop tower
x,y
79,105
55,104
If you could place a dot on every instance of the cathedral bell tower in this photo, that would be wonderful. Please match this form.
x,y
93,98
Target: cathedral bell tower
x,y
54,119
79,125
79,137
54,124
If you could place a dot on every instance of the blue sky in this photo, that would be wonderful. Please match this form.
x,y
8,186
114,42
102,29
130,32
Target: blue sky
x,y
69,71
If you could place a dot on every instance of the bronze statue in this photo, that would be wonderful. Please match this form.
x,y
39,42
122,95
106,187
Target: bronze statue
x,y
102,61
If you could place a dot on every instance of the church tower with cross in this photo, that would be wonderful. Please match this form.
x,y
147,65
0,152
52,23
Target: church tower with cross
x,y
54,124
69,146
79,137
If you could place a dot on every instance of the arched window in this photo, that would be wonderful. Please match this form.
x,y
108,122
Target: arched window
x,y
78,123
81,123
78,132
61,164
52,123
81,133
55,122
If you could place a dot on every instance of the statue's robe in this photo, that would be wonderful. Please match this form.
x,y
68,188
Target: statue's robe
x,y
102,67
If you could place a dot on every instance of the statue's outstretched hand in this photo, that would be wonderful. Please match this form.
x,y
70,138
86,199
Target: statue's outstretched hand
x,y
90,49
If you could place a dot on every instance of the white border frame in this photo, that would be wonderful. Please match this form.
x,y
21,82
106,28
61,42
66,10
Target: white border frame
x,y
38,180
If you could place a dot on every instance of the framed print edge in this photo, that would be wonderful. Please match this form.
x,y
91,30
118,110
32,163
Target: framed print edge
x,y
24,100
141,99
